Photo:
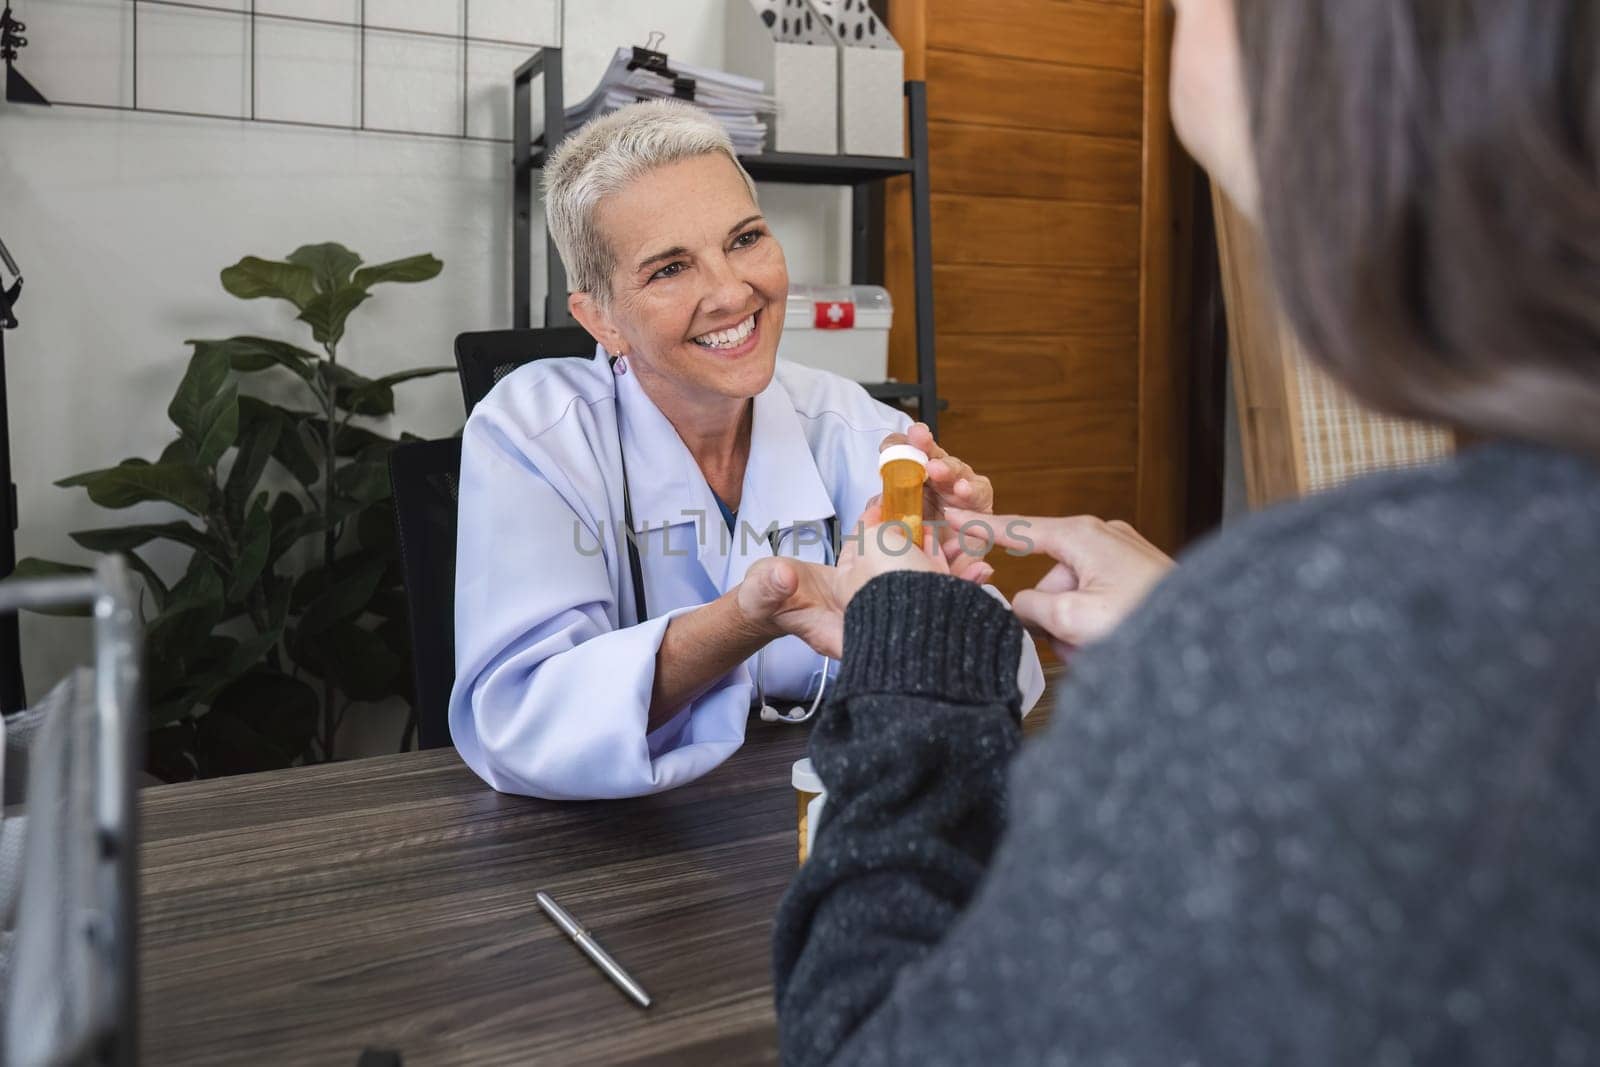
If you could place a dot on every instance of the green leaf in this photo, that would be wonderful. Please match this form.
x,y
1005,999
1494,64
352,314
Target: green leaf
x,y
30,568
255,543
352,440
326,313
264,720
254,277
363,482
346,385
383,388
330,263
411,269
128,538
345,598
292,533
152,581
247,355
179,450
192,611
358,661
183,672
256,444
136,483
206,406
291,448
375,530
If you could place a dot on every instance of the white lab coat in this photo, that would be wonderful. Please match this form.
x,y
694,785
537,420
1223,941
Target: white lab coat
x,y
553,680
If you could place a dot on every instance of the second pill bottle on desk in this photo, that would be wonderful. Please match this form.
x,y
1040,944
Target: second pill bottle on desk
x,y
904,469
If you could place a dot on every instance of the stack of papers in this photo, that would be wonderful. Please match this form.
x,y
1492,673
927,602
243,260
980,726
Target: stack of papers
x,y
734,101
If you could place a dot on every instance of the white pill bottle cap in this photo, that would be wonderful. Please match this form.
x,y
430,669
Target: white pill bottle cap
x,y
896,452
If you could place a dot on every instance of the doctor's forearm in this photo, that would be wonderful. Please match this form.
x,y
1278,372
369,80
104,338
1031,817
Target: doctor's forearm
x,y
698,648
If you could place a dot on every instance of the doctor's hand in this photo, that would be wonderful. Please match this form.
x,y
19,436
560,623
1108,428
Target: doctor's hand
x,y
1103,571
951,483
781,596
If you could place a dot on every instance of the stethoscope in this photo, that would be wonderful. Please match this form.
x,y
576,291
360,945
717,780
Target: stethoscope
x,y
641,610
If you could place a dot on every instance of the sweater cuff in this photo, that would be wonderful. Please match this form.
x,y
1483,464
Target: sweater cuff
x,y
931,635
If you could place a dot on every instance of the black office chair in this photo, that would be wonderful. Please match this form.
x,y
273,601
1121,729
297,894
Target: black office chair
x,y
426,479
484,358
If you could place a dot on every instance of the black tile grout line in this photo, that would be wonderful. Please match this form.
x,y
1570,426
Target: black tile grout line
x,y
361,28
466,28
312,21
302,123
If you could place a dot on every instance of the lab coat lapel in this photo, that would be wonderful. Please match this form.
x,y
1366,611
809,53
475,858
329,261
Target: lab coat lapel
x,y
782,488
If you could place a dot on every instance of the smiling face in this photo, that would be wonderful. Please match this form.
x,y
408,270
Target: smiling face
x,y
698,284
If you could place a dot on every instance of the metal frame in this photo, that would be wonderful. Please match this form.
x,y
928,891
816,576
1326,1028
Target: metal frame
x,y
13,697
119,703
546,62
864,174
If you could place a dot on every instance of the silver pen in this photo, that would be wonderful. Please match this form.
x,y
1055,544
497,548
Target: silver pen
x,y
592,949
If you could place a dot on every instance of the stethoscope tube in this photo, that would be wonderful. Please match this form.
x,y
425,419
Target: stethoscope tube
x,y
641,610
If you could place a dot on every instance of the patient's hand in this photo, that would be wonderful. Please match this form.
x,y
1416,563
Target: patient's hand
x,y
1103,571
883,549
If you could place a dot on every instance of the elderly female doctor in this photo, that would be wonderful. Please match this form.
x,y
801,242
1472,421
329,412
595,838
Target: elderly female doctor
x,y
576,675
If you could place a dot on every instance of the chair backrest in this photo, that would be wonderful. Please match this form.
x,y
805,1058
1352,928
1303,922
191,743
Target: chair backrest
x,y
1300,430
426,480
485,357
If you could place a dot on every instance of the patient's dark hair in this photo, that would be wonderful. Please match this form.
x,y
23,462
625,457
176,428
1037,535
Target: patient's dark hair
x,y
1430,189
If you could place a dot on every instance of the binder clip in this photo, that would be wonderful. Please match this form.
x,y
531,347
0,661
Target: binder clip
x,y
650,58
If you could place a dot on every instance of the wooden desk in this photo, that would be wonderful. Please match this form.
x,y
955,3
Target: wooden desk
x,y
300,916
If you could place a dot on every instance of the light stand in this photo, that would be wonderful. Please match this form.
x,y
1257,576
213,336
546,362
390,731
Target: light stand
x,y
12,696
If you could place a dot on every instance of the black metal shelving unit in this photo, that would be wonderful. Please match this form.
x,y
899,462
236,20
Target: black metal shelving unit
x,y
864,175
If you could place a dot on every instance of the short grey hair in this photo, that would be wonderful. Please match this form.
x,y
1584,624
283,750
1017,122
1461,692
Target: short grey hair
x,y
606,155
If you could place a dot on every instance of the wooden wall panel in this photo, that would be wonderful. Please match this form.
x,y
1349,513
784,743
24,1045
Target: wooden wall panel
x,y
1017,93
1054,237
1006,369
1062,32
1033,300
1164,313
1012,231
1053,436
990,161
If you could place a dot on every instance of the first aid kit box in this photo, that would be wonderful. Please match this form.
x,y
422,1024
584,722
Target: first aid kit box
x,y
839,328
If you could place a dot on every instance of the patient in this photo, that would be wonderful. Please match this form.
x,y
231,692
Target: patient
x,y
1329,794
584,670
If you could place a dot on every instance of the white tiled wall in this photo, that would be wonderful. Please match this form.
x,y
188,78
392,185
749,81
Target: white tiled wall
x,y
417,67
121,220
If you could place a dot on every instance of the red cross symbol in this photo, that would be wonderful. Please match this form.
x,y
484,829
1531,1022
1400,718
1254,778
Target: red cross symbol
x,y
835,315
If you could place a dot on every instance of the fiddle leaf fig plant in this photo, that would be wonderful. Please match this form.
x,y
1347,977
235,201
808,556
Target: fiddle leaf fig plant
x,y
290,607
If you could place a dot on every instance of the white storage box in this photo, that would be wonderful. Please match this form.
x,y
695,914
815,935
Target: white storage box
x,y
839,328
788,45
872,74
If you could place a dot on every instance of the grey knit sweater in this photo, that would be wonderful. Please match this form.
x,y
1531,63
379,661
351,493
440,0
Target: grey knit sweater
x,y
1330,796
